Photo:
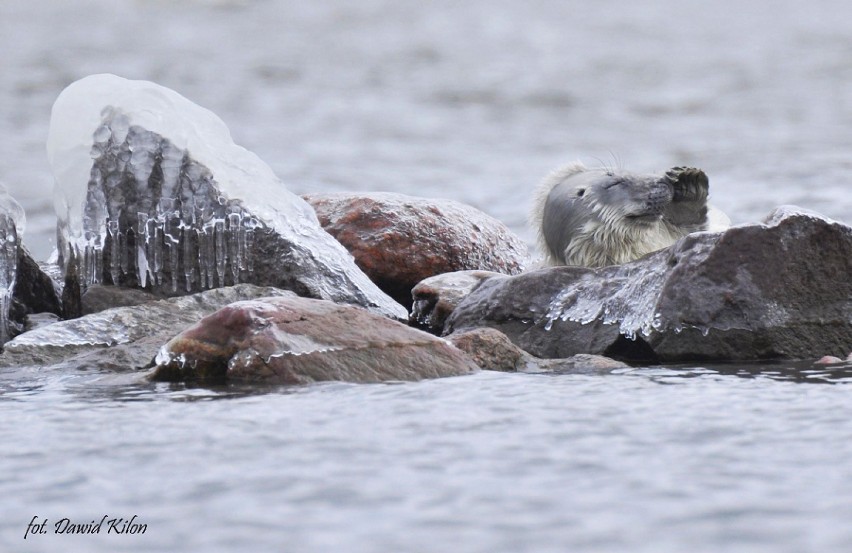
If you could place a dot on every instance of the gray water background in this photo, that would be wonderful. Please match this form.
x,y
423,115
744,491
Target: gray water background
x,y
473,101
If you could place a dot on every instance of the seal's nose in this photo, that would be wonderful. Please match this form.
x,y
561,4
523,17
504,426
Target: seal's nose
x,y
659,196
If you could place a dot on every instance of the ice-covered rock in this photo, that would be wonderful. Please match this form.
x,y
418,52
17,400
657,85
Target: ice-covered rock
x,y
24,288
399,240
12,222
152,192
780,289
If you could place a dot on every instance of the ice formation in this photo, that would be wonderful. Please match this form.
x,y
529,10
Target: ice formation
x,y
12,224
631,305
151,191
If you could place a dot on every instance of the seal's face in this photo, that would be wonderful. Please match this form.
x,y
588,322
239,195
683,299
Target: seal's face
x,y
596,217
623,199
620,202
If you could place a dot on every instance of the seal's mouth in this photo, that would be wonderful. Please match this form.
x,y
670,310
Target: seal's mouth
x,y
644,218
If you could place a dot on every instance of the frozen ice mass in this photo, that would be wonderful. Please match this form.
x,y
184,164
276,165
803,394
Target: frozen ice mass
x,y
151,191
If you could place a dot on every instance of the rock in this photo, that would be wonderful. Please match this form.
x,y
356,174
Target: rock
x,y
780,289
436,297
153,193
831,359
99,297
34,292
828,360
400,240
491,349
122,337
582,363
24,288
37,320
290,340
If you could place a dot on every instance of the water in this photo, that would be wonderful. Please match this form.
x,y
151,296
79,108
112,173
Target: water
x,y
474,101
648,460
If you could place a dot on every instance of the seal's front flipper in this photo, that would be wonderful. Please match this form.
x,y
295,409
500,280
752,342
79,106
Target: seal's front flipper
x,y
688,183
690,187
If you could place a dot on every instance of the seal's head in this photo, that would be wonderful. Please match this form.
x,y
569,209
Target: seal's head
x,y
598,217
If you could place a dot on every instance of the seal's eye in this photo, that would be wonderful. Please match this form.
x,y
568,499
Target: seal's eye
x,y
580,192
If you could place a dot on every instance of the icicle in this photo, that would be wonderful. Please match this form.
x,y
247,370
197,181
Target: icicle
x,y
124,260
234,254
189,258
251,224
114,250
207,254
170,164
154,250
98,264
173,244
141,255
202,248
221,251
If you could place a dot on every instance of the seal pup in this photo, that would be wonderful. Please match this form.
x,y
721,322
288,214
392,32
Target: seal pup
x,y
599,217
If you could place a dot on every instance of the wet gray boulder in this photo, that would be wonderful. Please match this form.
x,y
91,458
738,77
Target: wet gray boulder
x,y
399,240
779,289
293,340
152,193
122,338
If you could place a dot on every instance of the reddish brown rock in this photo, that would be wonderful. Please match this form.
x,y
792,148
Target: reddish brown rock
x,y
832,360
400,240
491,349
292,340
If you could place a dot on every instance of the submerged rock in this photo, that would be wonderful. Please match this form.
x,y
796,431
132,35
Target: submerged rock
x,y
291,340
832,360
400,240
122,337
152,193
436,297
780,289
491,349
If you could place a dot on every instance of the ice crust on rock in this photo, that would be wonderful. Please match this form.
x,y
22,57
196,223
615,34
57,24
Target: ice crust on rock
x,y
630,306
151,191
12,224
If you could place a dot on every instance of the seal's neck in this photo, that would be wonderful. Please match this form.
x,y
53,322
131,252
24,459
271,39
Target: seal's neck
x,y
600,244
